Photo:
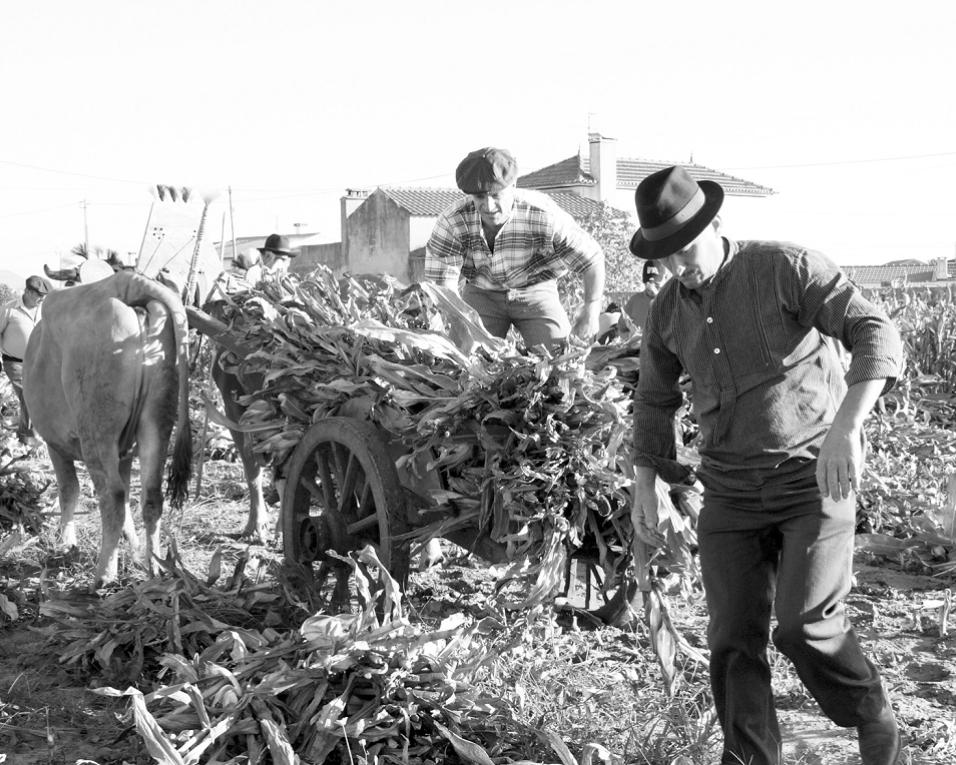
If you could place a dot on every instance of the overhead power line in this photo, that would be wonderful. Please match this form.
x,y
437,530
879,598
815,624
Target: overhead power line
x,y
848,161
41,210
70,172
274,193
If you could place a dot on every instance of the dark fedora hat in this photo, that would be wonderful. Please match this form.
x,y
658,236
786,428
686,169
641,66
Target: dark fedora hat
x,y
279,245
673,209
486,171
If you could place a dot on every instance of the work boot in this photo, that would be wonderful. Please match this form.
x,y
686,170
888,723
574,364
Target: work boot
x,y
880,740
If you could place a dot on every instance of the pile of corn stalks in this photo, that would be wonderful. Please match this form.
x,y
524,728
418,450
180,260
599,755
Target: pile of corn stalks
x,y
533,447
20,506
341,688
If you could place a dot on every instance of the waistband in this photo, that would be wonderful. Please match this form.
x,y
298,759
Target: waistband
x,y
7,357
546,283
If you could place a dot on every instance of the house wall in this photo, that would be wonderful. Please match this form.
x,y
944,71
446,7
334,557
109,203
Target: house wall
x,y
330,255
602,153
378,238
419,229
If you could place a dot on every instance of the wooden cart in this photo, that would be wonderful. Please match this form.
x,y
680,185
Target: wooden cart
x,y
342,491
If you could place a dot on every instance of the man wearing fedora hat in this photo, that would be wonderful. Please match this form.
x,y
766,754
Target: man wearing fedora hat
x,y
781,448
510,245
17,320
276,257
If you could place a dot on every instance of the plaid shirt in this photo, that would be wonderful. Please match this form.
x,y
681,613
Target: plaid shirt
x,y
766,386
538,242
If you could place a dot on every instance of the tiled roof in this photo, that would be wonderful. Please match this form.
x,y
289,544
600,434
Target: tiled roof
x,y
576,205
573,171
432,201
576,171
421,201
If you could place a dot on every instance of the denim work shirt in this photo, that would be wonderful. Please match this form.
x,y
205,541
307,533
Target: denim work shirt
x,y
766,386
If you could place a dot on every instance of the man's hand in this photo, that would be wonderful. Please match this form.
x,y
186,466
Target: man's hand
x,y
644,516
588,321
840,464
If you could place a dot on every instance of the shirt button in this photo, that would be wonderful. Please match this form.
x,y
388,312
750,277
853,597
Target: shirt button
x,y
717,351
710,319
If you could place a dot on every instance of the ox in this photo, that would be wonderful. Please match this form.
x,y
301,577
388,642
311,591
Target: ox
x,y
209,282
106,373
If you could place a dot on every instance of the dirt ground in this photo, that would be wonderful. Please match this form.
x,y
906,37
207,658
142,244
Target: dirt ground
x,y
49,715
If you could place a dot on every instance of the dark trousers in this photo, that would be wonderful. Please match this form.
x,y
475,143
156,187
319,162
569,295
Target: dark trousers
x,y
783,548
14,371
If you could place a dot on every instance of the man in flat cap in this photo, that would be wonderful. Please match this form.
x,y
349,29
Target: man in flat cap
x,y
17,320
781,456
510,245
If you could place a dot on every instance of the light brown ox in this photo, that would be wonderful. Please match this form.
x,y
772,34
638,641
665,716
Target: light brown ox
x,y
209,282
106,376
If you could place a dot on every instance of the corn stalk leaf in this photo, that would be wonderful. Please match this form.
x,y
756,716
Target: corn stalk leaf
x,y
467,750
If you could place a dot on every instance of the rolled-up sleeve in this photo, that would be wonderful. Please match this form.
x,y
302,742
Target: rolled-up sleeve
x,y
834,305
444,254
656,400
575,246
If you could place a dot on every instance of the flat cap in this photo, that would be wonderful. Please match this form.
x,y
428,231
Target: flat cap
x,y
486,171
38,284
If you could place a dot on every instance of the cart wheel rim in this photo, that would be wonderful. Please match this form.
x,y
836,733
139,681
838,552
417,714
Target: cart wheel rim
x,y
342,492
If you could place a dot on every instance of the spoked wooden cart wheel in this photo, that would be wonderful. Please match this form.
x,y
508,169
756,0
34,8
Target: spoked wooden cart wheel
x,y
342,493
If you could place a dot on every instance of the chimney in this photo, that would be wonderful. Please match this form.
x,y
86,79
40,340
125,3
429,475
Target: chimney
x,y
940,269
603,156
352,199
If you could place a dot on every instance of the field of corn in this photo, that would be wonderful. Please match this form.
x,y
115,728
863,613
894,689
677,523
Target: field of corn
x,y
223,660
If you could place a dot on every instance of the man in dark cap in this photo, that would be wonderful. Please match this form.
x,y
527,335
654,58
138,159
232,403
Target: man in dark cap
x,y
781,448
510,245
17,320
653,276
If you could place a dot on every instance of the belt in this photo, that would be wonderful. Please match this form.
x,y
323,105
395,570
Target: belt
x,y
503,290
7,357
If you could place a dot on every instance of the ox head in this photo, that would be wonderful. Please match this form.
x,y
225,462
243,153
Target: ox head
x,y
90,270
173,274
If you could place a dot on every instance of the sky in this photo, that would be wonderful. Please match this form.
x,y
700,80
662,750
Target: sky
x,y
845,109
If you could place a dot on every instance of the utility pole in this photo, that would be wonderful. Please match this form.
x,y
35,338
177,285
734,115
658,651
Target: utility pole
x,y
86,230
232,228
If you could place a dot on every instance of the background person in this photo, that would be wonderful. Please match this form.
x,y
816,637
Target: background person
x,y
511,245
17,320
247,266
608,323
781,447
653,276
276,258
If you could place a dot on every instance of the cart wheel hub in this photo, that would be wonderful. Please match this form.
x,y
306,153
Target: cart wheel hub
x,y
314,539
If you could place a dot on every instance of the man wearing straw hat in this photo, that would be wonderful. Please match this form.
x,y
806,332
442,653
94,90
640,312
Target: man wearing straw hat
x,y
511,245
781,447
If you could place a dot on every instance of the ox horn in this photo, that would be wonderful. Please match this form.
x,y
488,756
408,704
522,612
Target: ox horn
x,y
63,275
